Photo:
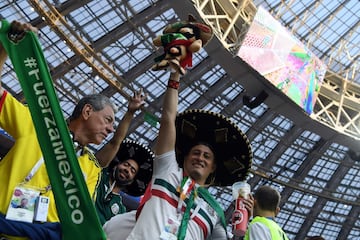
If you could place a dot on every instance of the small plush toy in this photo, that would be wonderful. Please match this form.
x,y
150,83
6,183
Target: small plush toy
x,y
180,40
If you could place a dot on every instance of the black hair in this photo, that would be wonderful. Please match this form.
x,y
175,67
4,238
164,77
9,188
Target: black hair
x,y
267,198
201,143
112,165
181,156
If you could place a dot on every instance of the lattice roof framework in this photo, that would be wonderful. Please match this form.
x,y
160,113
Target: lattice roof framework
x,y
105,46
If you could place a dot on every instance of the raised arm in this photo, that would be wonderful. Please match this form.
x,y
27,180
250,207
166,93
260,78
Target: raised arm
x,y
19,28
167,133
107,153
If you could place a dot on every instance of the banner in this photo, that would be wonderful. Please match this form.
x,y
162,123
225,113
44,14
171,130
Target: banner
x,y
75,208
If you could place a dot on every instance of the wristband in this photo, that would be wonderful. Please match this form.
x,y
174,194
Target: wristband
x,y
173,84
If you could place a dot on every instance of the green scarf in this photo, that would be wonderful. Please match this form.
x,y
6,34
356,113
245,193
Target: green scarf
x,y
75,208
204,193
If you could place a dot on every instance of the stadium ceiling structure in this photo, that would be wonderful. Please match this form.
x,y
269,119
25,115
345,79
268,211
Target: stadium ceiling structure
x,y
105,46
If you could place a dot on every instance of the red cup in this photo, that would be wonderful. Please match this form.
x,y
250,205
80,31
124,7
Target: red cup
x,y
240,218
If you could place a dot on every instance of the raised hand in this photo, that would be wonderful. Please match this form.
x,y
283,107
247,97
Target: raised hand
x,y
137,101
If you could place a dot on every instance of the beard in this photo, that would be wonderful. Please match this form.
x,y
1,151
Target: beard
x,y
195,174
119,181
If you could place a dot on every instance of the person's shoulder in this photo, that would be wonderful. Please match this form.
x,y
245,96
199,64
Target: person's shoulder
x,y
259,231
88,162
92,157
258,223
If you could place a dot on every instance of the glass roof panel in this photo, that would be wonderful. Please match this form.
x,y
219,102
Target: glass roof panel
x,y
318,178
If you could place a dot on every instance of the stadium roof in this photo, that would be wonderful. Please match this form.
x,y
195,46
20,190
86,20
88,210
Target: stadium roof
x,y
105,46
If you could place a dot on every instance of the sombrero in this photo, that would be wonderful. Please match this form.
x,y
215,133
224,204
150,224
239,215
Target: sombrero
x,y
143,156
231,147
206,31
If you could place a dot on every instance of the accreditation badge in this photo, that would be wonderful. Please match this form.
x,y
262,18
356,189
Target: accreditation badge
x,y
22,204
41,209
171,230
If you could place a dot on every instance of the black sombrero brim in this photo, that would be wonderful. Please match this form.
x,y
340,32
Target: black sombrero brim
x,y
144,157
231,147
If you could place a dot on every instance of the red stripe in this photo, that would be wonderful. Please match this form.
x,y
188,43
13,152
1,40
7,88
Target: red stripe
x,y
174,203
202,225
164,196
2,99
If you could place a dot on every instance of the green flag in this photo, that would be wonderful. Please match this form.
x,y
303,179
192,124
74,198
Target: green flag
x,y
75,208
151,119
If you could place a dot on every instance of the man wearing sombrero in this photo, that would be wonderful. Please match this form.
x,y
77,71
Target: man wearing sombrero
x,y
124,179
209,149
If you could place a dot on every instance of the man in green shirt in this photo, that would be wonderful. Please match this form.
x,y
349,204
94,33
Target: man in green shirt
x,y
125,178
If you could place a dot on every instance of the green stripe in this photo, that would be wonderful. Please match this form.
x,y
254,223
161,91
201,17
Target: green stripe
x,y
165,184
75,208
206,217
204,194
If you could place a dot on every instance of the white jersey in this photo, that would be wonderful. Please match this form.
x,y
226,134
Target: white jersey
x,y
204,222
120,226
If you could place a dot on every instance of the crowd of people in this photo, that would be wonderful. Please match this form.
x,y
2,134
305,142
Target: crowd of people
x,y
137,193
